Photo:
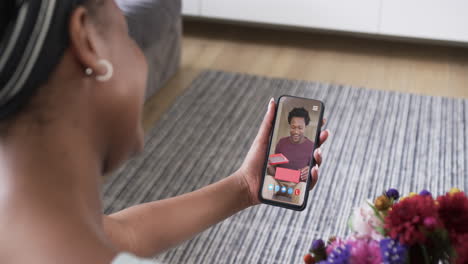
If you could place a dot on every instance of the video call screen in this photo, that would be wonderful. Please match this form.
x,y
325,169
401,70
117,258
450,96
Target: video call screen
x,y
291,150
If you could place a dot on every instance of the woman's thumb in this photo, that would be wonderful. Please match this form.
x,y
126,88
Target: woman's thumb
x,y
267,123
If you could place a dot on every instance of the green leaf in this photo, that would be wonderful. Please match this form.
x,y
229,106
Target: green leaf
x,y
350,222
381,230
424,251
376,212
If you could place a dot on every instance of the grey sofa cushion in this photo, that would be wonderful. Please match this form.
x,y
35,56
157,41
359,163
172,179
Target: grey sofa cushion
x,y
156,25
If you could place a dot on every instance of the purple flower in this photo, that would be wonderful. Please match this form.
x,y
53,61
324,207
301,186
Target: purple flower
x,y
340,255
392,193
425,193
392,251
317,244
318,249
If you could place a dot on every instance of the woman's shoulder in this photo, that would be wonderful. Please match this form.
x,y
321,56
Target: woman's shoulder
x,y
126,258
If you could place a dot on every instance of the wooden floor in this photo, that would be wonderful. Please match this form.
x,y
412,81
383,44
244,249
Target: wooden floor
x,y
376,64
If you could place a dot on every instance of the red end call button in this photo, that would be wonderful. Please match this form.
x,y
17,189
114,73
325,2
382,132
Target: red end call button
x,y
297,192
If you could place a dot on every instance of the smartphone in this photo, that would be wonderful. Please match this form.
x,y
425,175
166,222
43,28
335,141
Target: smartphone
x,y
289,158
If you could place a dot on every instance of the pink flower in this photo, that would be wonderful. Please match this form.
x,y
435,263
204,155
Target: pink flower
x,y
364,222
430,223
362,251
338,242
365,251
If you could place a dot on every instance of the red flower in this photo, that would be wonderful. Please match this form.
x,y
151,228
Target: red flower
x,y
405,220
308,259
453,212
462,250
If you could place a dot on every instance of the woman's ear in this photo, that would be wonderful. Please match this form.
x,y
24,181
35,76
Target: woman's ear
x,y
85,41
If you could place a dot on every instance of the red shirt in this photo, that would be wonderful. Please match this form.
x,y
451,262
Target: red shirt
x,y
299,155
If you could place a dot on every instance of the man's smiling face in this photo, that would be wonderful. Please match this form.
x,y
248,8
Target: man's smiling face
x,y
296,129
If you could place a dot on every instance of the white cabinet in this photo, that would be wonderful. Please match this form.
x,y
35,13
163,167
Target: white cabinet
x,y
424,19
431,19
191,7
356,15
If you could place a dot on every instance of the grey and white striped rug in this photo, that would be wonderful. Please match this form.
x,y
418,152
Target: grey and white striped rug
x,y
379,140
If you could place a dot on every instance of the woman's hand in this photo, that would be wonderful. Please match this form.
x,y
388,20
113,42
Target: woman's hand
x,y
304,173
251,173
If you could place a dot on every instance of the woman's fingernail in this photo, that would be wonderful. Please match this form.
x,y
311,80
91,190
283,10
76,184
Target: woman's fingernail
x,y
329,133
319,151
269,104
316,167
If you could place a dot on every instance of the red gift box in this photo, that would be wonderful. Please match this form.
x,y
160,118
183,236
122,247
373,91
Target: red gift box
x,y
276,159
289,175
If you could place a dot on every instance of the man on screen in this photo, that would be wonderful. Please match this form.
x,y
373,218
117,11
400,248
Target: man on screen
x,y
296,147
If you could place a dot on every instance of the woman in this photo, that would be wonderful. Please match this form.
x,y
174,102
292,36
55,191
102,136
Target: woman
x,y
72,86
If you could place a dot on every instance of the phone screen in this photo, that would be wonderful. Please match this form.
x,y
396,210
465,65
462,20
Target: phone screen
x,y
290,156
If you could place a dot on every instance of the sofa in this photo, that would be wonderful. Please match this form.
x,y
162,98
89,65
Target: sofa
x,y
156,26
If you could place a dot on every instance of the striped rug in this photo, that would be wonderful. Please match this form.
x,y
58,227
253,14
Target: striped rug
x,y
379,140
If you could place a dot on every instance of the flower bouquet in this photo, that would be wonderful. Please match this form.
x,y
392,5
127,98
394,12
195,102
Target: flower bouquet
x,y
418,228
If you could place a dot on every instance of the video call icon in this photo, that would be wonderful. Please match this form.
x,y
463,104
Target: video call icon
x,y
283,189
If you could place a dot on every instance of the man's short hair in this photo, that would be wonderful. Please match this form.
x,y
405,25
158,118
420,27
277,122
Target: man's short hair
x,y
299,112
